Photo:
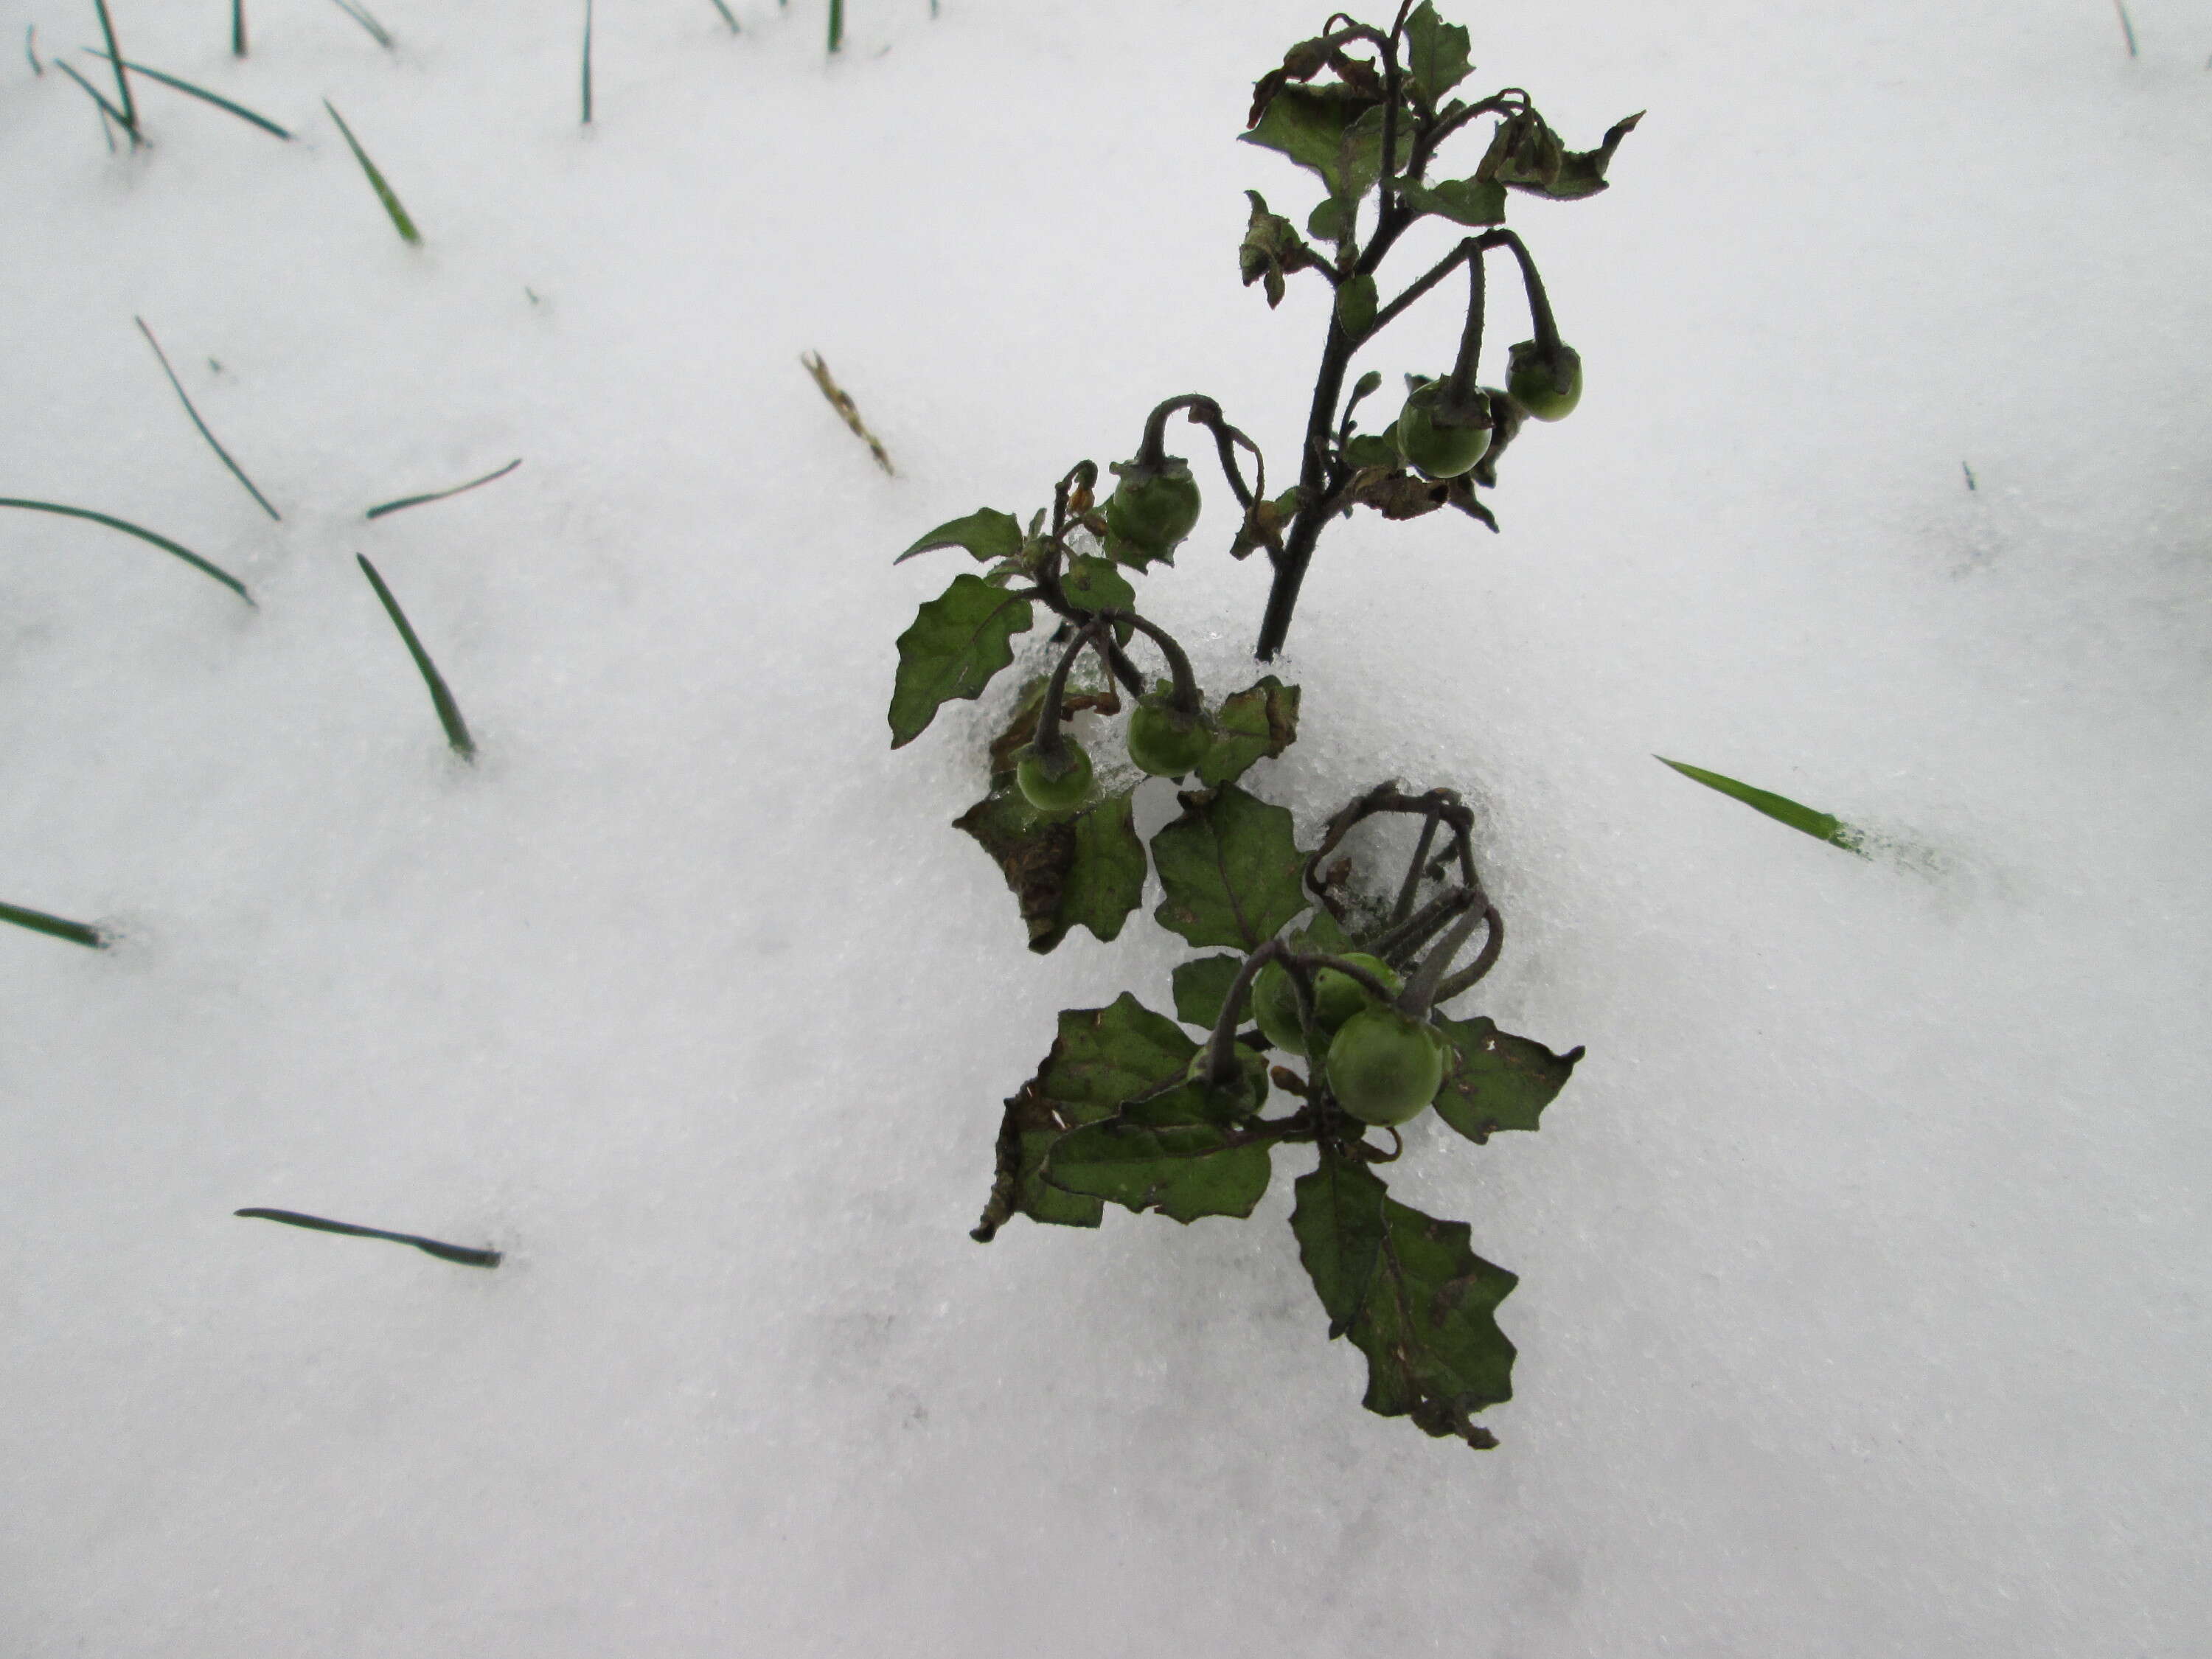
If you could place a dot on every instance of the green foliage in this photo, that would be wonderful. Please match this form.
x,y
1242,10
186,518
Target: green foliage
x,y
38,921
141,533
1822,826
441,699
397,214
1127,1107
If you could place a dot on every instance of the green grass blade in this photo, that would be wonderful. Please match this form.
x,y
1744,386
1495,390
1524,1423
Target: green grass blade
x,y
460,1252
836,24
449,711
587,63
107,111
1822,826
202,93
442,494
2127,25
31,46
400,219
236,472
115,55
143,534
724,10
77,933
377,31
238,28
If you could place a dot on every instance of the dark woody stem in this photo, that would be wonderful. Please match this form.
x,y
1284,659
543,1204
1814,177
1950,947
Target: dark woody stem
x,y
1466,978
1540,304
1221,1068
1421,989
1411,886
1050,746
1151,450
1470,338
1400,943
1184,698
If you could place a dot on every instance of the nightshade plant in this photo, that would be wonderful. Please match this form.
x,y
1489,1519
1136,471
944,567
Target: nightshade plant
x,y
1307,961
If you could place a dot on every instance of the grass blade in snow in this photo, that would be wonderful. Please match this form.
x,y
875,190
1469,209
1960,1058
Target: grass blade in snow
x,y
836,24
77,933
400,219
200,93
587,63
847,410
442,494
238,28
129,116
108,113
724,10
236,472
449,711
377,31
460,1252
141,533
31,45
1822,826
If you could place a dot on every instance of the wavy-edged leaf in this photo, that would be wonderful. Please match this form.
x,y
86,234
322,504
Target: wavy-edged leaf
x,y
1091,583
1167,1153
1332,219
1436,51
958,641
1255,724
1822,826
1463,201
1201,986
1315,126
1066,870
1230,866
1355,306
1494,1080
988,534
1410,1295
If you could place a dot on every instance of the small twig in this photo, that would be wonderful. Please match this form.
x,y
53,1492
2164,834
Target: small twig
x,y
460,1252
845,408
77,933
449,711
442,494
236,472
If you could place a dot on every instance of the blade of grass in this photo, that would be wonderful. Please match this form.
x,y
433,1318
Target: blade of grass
x,y
587,63
836,24
2127,26
449,711
724,10
114,51
460,1252
108,113
202,93
400,219
236,472
143,534
847,410
441,495
1822,826
377,31
238,28
77,933
31,46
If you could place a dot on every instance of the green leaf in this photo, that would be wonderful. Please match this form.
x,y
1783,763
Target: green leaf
x,y
1257,723
1201,986
1166,1153
986,534
1410,1295
1101,1057
1369,449
1271,251
1436,51
1494,1080
1462,201
958,640
1091,583
1582,172
1822,826
1355,306
1318,128
1066,871
1323,932
1332,219
1231,869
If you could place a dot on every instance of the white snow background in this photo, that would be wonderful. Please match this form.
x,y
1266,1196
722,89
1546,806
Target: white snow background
x,y
1861,1305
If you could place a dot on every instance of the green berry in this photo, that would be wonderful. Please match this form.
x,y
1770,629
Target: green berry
x,y
1153,510
1337,997
1245,1096
1440,451
1163,740
1055,790
1385,1066
1548,387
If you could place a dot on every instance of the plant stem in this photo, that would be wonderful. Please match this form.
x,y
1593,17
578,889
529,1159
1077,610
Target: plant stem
x,y
1411,886
1421,989
1466,978
1185,698
1049,743
1221,1069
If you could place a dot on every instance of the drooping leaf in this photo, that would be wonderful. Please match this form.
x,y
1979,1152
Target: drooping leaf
x,y
1230,868
958,641
1201,986
986,533
1436,51
1494,1080
1101,1057
1333,131
1463,201
1167,1153
1410,1295
1822,826
1272,250
1091,583
1066,870
1355,306
1582,172
1257,723
1369,449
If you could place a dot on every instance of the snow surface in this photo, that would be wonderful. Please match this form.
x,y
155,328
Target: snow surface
x,y
1862,1308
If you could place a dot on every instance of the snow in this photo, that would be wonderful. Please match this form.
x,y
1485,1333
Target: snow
x,y
1860,1310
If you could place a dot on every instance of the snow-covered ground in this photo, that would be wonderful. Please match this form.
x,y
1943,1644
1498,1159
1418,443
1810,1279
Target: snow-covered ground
x,y
1861,1307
